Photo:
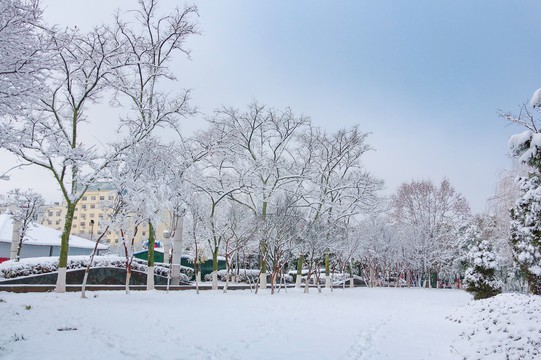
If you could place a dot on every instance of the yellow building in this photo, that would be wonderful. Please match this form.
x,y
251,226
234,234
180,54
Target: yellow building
x,y
54,216
89,215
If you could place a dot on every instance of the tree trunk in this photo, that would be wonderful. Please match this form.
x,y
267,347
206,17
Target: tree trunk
x,y
16,242
318,274
263,280
196,272
19,248
214,280
332,278
150,278
327,271
307,284
215,269
64,247
151,242
351,275
273,280
83,287
177,245
263,274
128,277
226,281
298,281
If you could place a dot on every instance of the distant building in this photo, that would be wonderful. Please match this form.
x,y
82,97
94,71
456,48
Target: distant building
x,y
91,208
54,216
42,241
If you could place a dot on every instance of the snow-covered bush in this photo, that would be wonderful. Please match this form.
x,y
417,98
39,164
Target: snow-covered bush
x,y
507,326
246,276
480,279
243,276
33,266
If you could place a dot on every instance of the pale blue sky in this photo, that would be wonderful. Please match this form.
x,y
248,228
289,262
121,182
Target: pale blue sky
x,y
427,78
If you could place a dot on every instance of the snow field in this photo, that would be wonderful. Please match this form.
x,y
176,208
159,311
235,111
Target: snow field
x,y
356,323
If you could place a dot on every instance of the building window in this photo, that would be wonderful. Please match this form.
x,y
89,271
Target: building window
x,y
100,215
84,207
74,226
92,215
99,232
144,233
50,213
82,223
110,197
49,222
102,197
58,213
75,218
92,198
84,197
57,222
92,206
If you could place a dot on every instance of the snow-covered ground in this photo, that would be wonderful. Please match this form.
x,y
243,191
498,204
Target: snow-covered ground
x,y
361,323
507,326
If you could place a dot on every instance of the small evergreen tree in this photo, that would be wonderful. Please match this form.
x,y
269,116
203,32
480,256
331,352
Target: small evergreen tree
x,y
480,279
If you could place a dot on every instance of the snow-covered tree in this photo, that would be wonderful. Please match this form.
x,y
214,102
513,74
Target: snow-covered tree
x,y
526,230
143,185
505,197
49,137
431,215
337,187
215,178
381,249
263,139
197,233
24,58
480,278
344,247
84,66
280,229
24,208
185,153
526,215
149,41
240,230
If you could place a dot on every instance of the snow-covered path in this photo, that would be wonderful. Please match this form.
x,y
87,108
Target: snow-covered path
x,y
346,324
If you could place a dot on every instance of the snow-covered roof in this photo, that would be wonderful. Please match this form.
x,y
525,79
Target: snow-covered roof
x,y
41,235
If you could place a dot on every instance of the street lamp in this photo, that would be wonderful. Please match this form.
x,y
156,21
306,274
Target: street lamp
x,y
91,229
